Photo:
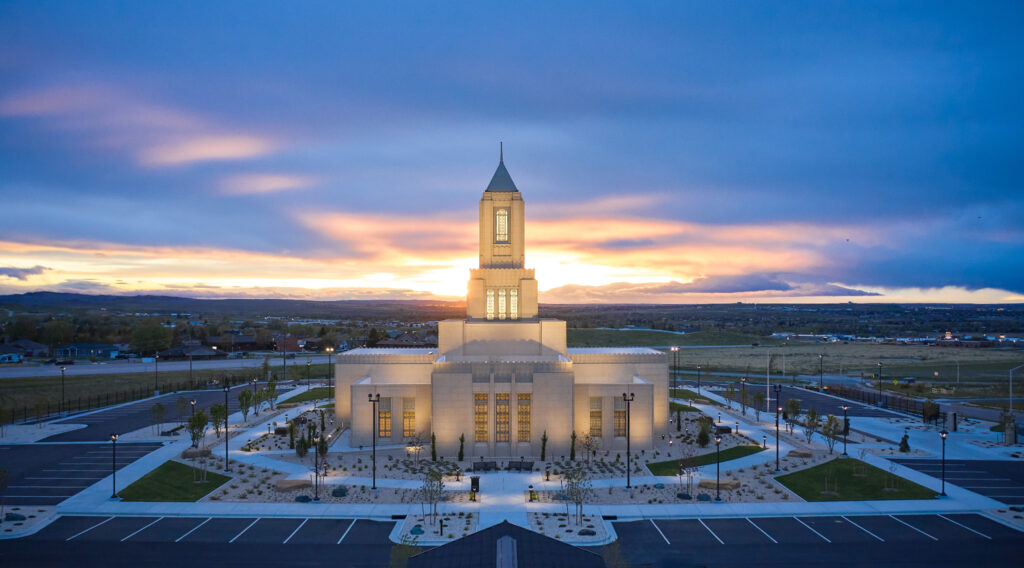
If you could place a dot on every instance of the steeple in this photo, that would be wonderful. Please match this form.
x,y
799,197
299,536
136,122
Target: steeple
x,y
501,181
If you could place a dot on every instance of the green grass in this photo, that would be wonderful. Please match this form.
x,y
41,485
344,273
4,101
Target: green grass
x,y
172,481
671,467
854,481
646,338
675,406
317,393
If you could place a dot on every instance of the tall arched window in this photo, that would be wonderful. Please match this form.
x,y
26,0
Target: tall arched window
x,y
502,313
513,303
490,304
501,225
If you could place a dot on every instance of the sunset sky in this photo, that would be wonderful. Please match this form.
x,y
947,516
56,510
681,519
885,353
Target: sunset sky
x,y
668,152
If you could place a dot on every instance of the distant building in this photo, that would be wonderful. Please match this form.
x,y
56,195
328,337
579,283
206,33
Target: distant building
x,y
31,348
88,350
195,352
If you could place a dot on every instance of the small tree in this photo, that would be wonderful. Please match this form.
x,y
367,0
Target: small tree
x,y
830,430
572,446
5,419
462,447
929,411
4,477
432,490
197,427
810,424
543,445
792,411
905,444
266,367
758,403
271,394
679,420
402,552
577,488
291,434
301,447
245,403
415,444
157,412
704,435
590,445
323,421
218,416
181,407
433,447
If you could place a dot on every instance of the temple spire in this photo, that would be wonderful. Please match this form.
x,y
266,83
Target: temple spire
x,y
501,152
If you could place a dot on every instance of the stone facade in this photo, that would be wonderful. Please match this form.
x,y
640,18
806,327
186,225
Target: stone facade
x,y
503,377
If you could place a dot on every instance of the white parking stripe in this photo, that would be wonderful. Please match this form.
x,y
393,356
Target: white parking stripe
x,y
193,529
711,531
657,528
966,527
243,531
140,530
915,528
47,486
813,531
90,528
304,521
762,531
862,528
354,521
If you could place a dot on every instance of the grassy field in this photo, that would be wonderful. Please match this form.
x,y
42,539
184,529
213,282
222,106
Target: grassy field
x,y
671,467
675,406
853,480
27,392
646,338
172,481
317,393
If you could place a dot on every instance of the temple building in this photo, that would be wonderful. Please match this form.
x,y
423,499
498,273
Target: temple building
x,y
503,377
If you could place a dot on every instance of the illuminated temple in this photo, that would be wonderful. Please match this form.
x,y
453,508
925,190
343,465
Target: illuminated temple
x,y
503,376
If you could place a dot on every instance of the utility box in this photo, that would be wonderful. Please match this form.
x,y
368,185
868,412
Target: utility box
x,y
474,483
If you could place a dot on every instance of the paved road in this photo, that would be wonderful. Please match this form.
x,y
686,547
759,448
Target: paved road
x,y
823,403
998,479
46,474
903,540
125,366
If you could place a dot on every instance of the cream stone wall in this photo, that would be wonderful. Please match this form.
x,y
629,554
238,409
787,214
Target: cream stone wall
x,y
502,255
361,411
398,366
641,420
460,338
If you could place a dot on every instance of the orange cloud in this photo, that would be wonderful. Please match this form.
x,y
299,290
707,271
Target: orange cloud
x,y
249,184
204,149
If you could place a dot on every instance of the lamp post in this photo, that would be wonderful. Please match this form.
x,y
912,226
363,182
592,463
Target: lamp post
x,y
193,403
718,468
156,374
778,412
698,379
62,369
629,466
308,386
845,427
254,386
943,435
226,420
284,358
879,382
778,395
675,366
743,395
330,372
1011,385
821,372
113,464
374,401
316,469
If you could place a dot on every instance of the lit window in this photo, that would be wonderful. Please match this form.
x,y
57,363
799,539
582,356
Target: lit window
x,y
620,418
501,225
384,418
501,304
501,417
480,417
513,303
408,417
524,417
595,416
490,304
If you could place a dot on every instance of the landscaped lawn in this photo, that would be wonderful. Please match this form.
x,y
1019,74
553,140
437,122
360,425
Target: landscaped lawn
x,y
675,406
671,467
313,394
172,481
851,480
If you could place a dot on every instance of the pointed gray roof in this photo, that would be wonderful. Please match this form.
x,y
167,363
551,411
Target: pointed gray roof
x,y
501,181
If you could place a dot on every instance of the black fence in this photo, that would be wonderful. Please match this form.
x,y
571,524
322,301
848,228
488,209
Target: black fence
x,y
873,397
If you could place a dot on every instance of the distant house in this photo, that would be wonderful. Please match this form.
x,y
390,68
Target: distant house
x,y
195,352
290,344
10,354
87,350
31,348
235,342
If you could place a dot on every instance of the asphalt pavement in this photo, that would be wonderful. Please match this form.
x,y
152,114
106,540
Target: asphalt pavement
x,y
119,366
997,479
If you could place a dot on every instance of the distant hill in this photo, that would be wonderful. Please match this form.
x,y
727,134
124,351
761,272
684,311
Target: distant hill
x,y
401,309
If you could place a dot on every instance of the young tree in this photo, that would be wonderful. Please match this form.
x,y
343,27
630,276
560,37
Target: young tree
x,y
181,407
5,419
301,447
905,444
271,394
704,435
218,415
792,411
291,434
258,398
4,477
590,445
245,403
810,424
830,430
758,403
572,446
543,445
432,490
462,445
197,427
157,413
433,447
679,420
577,488
266,368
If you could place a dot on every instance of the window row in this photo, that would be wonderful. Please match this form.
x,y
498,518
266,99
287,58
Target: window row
x,y
503,303
597,417
501,417
408,417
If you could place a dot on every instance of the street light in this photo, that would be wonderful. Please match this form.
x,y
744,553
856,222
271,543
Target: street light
x,y
330,372
718,468
62,369
628,399
879,382
308,387
821,372
191,381
943,435
743,395
778,412
156,374
226,420
193,403
373,432
316,469
113,463
846,428
778,395
698,379
675,366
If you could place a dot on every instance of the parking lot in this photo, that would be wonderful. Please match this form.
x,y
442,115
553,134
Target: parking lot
x,y
46,474
838,530
223,530
996,479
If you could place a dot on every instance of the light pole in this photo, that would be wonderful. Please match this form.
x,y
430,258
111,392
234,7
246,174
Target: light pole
x,y
879,383
943,435
778,411
330,372
373,432
629,466
316,469
675,366
778,395
156,374
846,428
308,386
698,379
718,468
284,358
1011,388
743,394
193,403
113,463
62,369
226,420
821,372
